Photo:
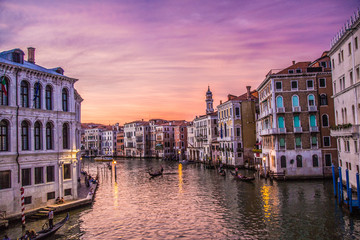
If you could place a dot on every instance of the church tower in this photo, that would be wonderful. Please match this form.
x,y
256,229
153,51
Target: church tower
x,y
209,102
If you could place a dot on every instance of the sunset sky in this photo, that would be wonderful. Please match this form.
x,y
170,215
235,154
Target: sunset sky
x,y
141,59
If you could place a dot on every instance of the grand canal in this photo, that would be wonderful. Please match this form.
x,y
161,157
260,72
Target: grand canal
x,y
190,202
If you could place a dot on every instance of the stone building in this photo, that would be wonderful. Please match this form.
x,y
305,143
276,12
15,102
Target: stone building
x,y
130,138
345,62
39,133
295,116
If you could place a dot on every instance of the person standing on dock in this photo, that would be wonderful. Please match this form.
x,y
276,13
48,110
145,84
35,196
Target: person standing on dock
x,y
51,218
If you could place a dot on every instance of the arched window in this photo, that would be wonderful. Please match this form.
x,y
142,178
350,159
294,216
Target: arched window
x,y
299,161
4,91
325,120
312,120
323,99
37,95
65,131
311,100
281,123
283,161
48,97
25,136
49,136
37,135
24,94
315,160
279,102
4,135
65,100
295,101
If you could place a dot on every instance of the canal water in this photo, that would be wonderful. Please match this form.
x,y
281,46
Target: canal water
x,y
191,202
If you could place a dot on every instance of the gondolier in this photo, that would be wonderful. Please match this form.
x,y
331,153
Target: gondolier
x,y
51,218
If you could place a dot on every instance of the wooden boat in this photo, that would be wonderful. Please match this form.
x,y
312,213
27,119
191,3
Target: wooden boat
x,y
242,177
43,234
222,172
104,159
155,174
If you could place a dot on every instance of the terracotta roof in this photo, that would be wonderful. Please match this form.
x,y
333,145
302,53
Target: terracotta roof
x,y
298,65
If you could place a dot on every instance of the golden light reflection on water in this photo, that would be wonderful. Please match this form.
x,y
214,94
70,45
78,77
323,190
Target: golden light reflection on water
x,y
115,185
180,178
265,195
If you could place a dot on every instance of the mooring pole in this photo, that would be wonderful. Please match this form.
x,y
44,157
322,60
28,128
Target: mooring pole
x,y
334,179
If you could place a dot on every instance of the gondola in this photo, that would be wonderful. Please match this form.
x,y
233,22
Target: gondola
x,y
43,234
155,174
242,177
222,172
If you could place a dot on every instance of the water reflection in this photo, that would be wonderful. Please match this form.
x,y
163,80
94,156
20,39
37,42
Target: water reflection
x,y
191,202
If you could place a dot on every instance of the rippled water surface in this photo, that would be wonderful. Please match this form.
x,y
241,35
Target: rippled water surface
x,y
190,202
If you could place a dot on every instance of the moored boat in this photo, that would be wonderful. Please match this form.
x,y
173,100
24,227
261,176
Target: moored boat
x,y
155,174
104,159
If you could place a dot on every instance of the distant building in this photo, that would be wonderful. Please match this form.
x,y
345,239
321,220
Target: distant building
x,y
142,134
120,149
93,138
165,142
130,138
39,133
152,125
180,138
345,62
295,115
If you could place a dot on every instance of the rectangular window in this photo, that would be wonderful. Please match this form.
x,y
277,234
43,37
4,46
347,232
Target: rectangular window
x,y
50,174
67,192
238,132
327,141
356,146
5,179
26,176
347,146
342,55
351,78
39,175
291,71
298,142
294,85
339,57
67,171
237,111
357,73
350,166
328,160
50,195
298,70
27,200
323,64
356,43
310,84
239,154
283,162
314,141
349,48
322,82
278,86
333,64
339,145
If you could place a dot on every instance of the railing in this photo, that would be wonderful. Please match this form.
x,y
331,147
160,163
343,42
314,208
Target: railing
x,y
296,109
314,129
280,110
297,129
345,130
312,108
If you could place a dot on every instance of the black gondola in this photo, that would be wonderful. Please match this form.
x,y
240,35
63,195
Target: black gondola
x,y
50,231
155,174
242,177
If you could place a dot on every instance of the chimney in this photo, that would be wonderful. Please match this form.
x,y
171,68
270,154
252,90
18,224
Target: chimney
x,y
248,94
220,102
31,55
294,62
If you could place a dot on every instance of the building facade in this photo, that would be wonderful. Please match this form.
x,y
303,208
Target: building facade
x,y
39,133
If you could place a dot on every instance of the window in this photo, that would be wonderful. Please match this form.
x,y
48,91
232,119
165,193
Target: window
x,y
349,48
279,102
312,120
351,78
294,85
323,100
65,100
313,141
311,100
333,64
4,135
49,136
50,195
67,192
296,121
299,161
50,174
323,64
347,146
339,145
298,70
291,71
298,142
26,176
27,200
37,135
357,73
48,97
65,136
237,111
322,82
325,120
282,143
39,175
67,171
310,84
328,159
342,55
356,146
327,141
295,101
315,160
281,123
4,91
24,94
283,162
25,136
37,95
278,86
238,132
5,179
356,43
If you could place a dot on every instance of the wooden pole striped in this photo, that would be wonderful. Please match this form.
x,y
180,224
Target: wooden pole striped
x,y
22,207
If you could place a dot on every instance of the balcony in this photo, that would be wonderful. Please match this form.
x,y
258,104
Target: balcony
x,y
314,129
271,131
297,129
280,110
312,108
266,112
296,109
345,130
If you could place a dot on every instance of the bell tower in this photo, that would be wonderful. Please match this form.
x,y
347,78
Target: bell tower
x,y
209,101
